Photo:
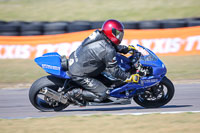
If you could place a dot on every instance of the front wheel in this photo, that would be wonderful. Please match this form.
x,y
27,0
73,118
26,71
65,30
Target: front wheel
x,y
42,102
157,95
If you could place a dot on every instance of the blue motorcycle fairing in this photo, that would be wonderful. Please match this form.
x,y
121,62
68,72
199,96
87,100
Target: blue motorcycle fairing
x,y
130,89
123,62
51,63
157,65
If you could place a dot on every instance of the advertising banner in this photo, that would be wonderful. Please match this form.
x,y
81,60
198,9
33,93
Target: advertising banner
x,y
176,41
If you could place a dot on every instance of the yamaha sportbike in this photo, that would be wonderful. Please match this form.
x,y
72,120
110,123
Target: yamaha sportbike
x,y
153,90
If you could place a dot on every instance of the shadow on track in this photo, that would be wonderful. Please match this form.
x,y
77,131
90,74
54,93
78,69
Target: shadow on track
x,y
124,108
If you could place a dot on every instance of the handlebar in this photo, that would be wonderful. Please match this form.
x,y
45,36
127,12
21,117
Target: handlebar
x,y
135,55
141,70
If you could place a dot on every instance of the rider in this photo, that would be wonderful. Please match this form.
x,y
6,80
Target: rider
x,y
96,54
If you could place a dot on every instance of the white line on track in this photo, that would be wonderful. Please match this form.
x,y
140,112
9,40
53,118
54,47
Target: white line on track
x,y
144,113
135,114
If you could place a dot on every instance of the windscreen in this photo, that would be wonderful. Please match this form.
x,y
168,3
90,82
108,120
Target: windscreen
x,y
147,55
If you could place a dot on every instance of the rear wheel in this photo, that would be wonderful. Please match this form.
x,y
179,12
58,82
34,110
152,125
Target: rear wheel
x,y
157,95
42,102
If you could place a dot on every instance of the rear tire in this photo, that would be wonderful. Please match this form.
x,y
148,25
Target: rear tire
x,y
164,99
37,99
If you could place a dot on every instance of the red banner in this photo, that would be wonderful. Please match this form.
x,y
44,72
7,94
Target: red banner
x,y
177,41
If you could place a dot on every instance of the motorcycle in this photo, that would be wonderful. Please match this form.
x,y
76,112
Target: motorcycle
x,y
154,89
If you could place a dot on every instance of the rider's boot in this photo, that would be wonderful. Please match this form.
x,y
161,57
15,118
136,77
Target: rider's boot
x,y
90,96
78,95
75,96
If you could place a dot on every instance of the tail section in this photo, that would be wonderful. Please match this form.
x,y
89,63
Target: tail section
x,y
51,63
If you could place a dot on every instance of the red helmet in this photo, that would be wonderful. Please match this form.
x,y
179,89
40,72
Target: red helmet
x,y
114,30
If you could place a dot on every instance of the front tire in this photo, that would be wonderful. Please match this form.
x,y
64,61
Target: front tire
x,y
151,98
38,100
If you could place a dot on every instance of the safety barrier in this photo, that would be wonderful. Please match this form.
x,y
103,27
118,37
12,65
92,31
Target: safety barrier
x,y
174,41
20,28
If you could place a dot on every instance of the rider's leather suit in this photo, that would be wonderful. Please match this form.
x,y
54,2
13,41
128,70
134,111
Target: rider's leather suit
x,y
95,55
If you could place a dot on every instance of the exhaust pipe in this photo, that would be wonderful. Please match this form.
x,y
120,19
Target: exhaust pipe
x,y
55,95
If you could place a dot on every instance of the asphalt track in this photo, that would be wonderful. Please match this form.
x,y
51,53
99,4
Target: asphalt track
x,y
14,104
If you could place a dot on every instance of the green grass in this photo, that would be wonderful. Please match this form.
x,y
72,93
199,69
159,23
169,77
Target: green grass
x,y
26,71
124,10
155,123
182,67
15,71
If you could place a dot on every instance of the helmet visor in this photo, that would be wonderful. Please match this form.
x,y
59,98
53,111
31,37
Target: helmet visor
x,y
118,34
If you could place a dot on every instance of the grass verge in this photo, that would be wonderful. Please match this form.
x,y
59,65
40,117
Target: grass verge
x,y
123,10
182,67
155,123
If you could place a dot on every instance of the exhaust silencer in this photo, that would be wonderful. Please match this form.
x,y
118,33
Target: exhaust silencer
x,y
54,95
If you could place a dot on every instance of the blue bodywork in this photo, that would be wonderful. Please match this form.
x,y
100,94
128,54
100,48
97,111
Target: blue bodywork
x,y
51,63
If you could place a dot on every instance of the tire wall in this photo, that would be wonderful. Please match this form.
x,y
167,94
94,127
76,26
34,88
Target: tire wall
x,y
21,28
